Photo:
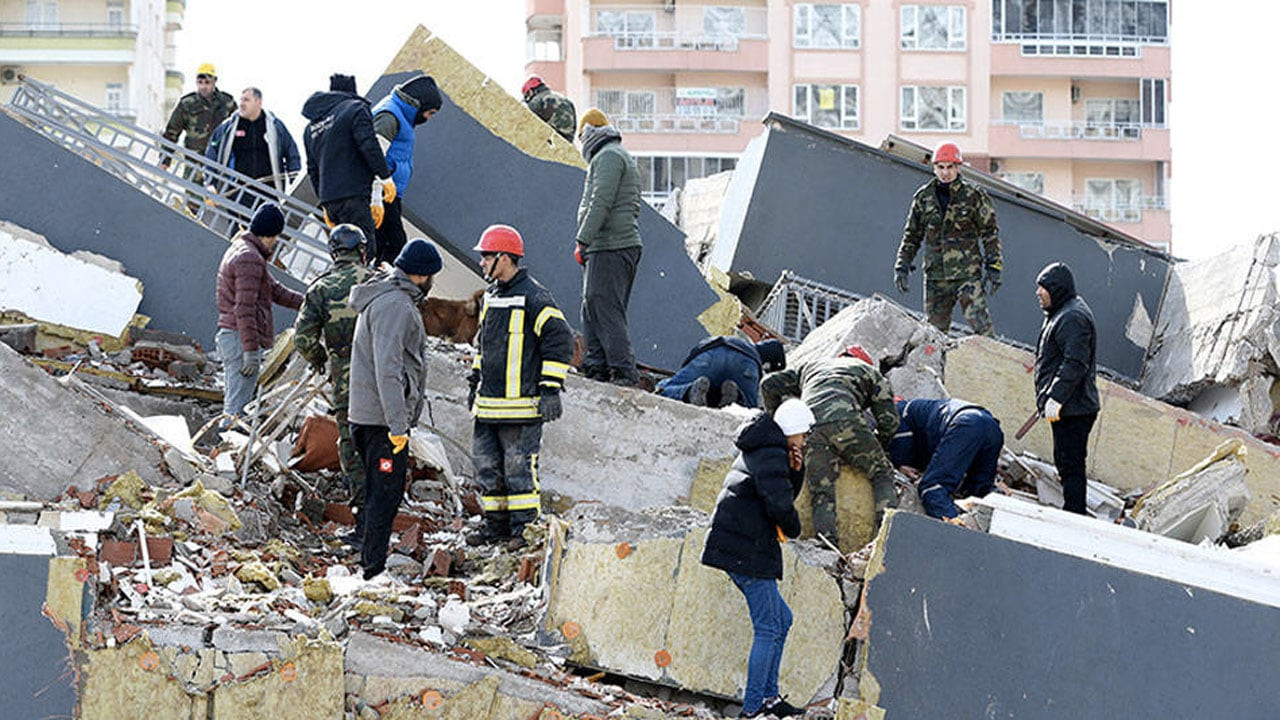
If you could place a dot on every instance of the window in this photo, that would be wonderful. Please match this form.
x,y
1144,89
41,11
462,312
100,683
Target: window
x,y
629,28
1113,199
932,27
1023,106
1029,181
722,21
114,98
660,174
1133,21
926,108
1111,117
544,44
115,13
827,106
626,102
42,14
827,26
1152,100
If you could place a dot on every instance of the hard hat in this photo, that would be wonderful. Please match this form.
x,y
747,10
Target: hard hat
x,y
207,69
534,81
793,416
947,152
501,239
856,351
346,237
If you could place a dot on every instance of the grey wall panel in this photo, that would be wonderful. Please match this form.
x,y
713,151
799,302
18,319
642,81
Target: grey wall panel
x,y
466,178
968,625
833,211
79,206
37,678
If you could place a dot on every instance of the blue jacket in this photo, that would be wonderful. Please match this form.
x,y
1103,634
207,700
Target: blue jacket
x,y
400,153
920,431
284,152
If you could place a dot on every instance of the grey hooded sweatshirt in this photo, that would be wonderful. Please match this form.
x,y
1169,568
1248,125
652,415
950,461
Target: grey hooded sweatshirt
x,y
388,353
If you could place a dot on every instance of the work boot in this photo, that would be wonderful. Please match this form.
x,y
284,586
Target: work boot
x,y
595,372
625,377
697,392
728,393
495,530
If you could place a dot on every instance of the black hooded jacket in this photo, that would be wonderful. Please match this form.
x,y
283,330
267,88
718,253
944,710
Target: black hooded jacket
x,y
343,155
1066,354
758,496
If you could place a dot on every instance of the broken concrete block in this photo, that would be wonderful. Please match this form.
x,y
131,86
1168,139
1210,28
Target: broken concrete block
x,y
910,383
880,326
1201,503
22,338
692,629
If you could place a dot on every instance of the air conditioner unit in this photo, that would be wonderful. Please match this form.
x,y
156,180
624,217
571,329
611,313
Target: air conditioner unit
x,y
669,5
9,74
995,166
1075,93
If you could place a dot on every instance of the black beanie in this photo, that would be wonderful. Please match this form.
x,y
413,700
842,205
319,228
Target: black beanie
x,y
419,257
342,83
422,89
773,357
268,221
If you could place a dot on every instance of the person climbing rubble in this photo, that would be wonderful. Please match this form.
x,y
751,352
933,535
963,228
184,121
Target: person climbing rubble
x,y
323,333
388,382
550,106
245,294
856,419
951,448
722,370
395,117
523,349
754,513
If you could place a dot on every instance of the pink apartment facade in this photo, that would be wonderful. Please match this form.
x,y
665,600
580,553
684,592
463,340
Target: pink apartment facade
x,y
1067,98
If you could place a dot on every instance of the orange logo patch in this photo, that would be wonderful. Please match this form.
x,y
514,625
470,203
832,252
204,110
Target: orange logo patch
x,y
384,465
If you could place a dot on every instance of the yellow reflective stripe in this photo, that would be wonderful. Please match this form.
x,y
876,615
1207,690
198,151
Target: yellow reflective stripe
x,y
498,503
547,313
506,403
520,414
554,369
515,349
475,364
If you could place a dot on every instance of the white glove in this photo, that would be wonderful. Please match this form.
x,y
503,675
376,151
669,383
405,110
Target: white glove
x,y
1052,410
375,194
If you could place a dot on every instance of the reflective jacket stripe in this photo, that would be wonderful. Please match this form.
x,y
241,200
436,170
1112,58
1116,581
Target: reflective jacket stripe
x,y
515,352
547,313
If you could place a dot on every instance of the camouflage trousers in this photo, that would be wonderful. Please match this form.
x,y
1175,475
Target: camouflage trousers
x,y
940,298
852,442
352,467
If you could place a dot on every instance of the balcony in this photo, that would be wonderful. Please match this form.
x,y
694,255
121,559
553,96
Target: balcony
x,y
68,30
1148,219
89,43
1049,60
1079,139
684,37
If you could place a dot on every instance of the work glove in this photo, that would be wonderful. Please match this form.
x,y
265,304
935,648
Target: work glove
x,y
376,208
782,537
1052,410
473,381
993,281
377,212
328,223
579,255
388,191
549,406
900,280
251,360
398,443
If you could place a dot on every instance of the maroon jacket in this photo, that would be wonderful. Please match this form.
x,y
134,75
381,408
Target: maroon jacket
x,y
246,291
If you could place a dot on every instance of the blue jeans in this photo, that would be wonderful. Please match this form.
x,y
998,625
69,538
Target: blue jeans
x,y
770,622
238,389
717,364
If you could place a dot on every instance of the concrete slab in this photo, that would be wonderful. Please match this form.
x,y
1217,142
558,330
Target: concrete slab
x,y
1048,635
52,437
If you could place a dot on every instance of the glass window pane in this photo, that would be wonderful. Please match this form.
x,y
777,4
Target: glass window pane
x,y
931,110
907,113
826,106
957,108
1098,112
644,164
1030,19
1013,16
1079,17
933,28
721,20
1023,106
1097,19
957,30
640,103
1160,20
852,25
800,108
1098,193
1126,111
661,178
610,22
827,21
909,36
849,119
678,172
800,33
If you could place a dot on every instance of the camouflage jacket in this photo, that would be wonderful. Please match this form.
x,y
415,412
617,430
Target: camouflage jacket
x,y
836,389
958,245
555,110
326,322
198,118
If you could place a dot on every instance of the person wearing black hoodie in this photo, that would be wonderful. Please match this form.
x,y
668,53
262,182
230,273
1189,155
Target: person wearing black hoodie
x,y
754,513
343,155
1065,377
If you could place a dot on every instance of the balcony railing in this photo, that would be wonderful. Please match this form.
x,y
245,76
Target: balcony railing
x,y
676,27
676,124
681,110
1118,212
78,30
1080,38
1078,130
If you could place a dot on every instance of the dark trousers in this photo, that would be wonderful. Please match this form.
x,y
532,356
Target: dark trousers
x,y
354,210
391,237
964,463
719,364
506,457
1070,450
384,473
606,292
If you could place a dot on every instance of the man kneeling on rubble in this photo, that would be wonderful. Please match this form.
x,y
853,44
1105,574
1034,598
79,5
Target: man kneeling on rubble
x,y
724,370
754,513
388,379
956,444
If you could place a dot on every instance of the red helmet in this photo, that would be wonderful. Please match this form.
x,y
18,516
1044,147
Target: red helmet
x,y
856,351
534,81
501,239
947,152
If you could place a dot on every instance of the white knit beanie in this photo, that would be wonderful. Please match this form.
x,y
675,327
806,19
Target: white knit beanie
x,y
793,416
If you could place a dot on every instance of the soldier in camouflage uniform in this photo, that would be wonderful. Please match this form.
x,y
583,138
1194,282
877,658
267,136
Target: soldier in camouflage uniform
x,y
956,223
855,419
323,332
555,109
198,114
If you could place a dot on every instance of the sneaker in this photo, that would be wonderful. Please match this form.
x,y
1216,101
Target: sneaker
x,y
729,393
697,392
778,707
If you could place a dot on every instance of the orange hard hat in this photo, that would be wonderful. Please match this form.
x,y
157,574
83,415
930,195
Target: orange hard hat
x,y
501,239
947,152
533,82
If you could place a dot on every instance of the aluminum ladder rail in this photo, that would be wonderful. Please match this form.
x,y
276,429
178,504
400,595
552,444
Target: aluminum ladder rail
x,y
134,155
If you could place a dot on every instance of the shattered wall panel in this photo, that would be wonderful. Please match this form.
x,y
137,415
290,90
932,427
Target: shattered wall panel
x,y
473,170
1040,636
34,677
832,210
1136,442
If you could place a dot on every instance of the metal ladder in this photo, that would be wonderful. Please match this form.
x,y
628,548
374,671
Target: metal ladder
x,y
135,155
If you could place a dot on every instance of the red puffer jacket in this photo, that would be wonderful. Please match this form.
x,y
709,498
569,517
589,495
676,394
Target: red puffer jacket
x,y
246,291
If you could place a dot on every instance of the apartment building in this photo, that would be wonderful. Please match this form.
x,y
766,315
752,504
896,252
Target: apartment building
x,y
116,54
1062,97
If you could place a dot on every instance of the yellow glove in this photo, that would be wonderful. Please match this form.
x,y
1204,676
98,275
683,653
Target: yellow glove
x,y
398,443
782,537
327,221
377,212
388,191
